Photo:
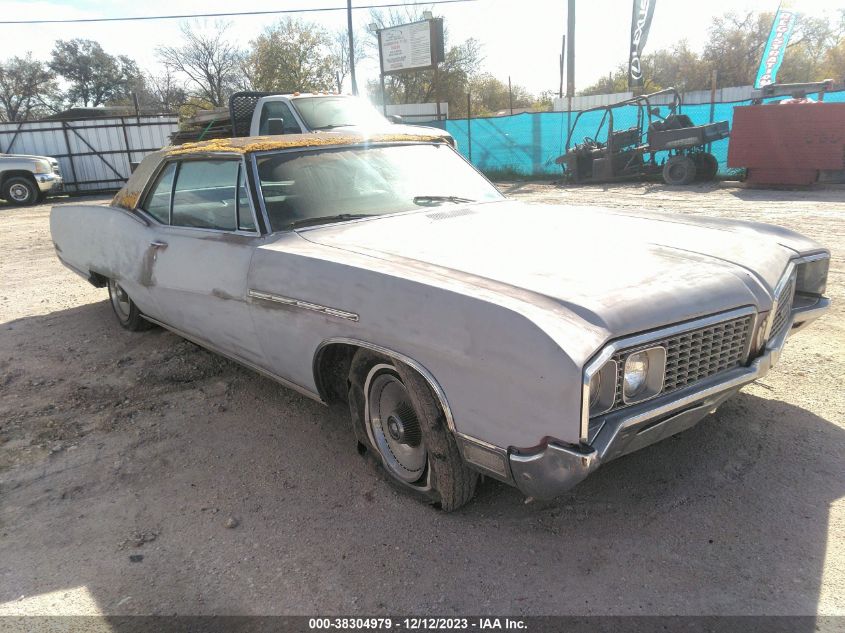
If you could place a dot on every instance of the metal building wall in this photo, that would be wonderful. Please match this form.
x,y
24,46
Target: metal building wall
x,y
723,95
94,154
419,112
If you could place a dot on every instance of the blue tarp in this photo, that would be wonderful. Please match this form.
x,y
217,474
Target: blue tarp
x,y
529,143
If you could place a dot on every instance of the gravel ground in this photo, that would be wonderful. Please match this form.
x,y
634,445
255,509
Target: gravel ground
x,y
140,474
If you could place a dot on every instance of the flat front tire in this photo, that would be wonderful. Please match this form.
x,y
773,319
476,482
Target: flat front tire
x,y
127,313
399,421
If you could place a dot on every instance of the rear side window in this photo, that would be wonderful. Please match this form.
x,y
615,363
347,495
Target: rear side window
x,y
157,203
206,195
277,118
245,219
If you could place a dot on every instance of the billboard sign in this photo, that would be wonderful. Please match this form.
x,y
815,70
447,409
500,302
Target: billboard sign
x,y
414,46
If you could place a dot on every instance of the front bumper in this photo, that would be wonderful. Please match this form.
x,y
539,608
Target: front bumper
x,y
49,183
556,468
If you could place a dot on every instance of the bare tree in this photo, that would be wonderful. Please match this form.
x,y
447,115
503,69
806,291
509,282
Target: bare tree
x,y
165,91
210,62
26,85
340,54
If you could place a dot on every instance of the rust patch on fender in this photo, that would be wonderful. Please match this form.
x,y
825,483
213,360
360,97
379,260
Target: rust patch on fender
x,y
126,199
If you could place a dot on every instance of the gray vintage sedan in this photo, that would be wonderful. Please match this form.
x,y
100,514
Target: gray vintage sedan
x,y
469,334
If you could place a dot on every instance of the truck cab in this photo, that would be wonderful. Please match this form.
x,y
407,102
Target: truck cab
x,y
25,180
303,113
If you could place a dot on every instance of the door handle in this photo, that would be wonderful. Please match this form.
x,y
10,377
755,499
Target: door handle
x,y
158,244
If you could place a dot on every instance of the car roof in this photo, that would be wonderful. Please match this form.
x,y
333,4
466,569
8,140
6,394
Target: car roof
x,y
130,193
251,144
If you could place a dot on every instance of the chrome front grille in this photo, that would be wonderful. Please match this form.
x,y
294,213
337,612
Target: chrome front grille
x,y
694,355
784,307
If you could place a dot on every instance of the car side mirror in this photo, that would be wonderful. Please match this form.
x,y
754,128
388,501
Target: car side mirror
x,y
394,118
275,126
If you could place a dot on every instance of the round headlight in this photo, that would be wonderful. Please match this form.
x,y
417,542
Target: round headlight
x,y
595,388
636,371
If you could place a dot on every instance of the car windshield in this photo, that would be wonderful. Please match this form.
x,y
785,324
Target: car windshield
x,y
324,113
312,186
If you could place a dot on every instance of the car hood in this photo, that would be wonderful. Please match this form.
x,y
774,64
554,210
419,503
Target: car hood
x,y
622,272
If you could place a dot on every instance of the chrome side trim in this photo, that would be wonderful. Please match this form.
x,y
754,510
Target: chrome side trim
x,y
259,370
429,378
641,339
304,305
778,289
595,365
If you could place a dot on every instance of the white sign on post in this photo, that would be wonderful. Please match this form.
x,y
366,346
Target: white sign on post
x,y
406,47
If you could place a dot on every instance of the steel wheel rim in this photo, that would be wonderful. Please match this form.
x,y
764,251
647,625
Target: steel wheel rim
x,y
19,192
120,301
677,171
393,425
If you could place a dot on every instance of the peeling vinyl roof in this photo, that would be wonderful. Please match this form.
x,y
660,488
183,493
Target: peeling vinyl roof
x,y
129,195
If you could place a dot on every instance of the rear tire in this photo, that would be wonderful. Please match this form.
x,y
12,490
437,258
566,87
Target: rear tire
x,y
706,167
399,421
20,191
679,170
127,313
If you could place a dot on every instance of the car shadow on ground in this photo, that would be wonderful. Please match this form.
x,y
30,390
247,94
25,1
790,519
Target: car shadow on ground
x,y
157,478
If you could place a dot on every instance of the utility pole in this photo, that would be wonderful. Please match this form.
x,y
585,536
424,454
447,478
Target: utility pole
x,y
570,64
351,47
562,57
510,94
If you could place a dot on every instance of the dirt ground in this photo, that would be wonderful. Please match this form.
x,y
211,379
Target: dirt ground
x,y
140,474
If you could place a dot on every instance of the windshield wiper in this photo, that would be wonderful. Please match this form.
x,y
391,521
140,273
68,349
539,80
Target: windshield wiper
x,y
422,200
331,126
327,219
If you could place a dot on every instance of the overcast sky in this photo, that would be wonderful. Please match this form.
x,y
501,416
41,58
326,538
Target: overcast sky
x,y
520,38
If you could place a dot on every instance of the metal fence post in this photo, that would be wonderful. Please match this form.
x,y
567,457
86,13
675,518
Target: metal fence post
x,y
469,126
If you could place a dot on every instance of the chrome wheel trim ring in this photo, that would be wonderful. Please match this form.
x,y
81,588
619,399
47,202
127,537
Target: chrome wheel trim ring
x,y
385,392
19,192
120,301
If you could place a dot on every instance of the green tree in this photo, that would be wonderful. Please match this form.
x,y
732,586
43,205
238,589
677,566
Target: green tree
x,y
735,46
94,77
26,87
490,95
291,55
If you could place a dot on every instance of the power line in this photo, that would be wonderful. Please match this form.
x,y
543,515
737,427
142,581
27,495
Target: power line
x,y
232,14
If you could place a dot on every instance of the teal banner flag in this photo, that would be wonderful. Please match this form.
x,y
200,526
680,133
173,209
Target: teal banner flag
x,y
782,27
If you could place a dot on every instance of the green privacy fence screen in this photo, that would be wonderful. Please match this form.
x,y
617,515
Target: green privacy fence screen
x,y
529,143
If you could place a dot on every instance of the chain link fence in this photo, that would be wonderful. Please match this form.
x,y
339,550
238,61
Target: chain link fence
x,y
528,144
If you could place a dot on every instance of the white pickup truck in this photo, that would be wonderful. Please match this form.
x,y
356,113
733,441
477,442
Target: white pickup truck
x,y
258,114
28,179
